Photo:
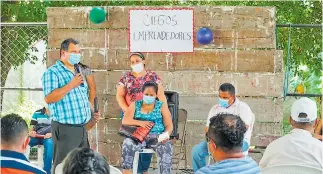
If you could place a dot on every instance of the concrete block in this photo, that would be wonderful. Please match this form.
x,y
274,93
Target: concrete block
x,y
240,39
107,131
234,27
263,140
118,59
108,106
265,109
94,58
261,134
87,38
214,60
227,17
52,57
117,39
112,152
279,61
193,83
78,17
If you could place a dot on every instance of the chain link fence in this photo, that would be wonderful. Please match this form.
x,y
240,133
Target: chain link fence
x,y
23,61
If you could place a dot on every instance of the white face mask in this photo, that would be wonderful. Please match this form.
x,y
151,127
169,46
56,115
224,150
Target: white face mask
x,y
137,68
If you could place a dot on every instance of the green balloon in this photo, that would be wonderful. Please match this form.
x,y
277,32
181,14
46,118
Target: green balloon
x,y
97,15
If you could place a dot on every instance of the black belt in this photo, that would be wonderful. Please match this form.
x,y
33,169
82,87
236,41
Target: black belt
x,y
72,125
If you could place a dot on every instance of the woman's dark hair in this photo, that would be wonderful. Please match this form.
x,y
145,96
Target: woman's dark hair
x,y
85,161
227,132
42,110
150,84
83,66
138,54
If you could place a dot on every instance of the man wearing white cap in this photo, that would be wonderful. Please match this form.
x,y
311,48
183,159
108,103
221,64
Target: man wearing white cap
x,y
298,147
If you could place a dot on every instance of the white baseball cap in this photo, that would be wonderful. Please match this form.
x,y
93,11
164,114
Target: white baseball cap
x,y
306,106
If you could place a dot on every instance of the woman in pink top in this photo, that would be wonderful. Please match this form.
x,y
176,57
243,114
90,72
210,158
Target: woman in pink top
x,y
129,89
130,84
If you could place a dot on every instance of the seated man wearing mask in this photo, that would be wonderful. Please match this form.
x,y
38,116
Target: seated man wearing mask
x,y
226,134
228,103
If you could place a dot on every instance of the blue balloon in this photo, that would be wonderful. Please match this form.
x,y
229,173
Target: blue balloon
x,y
204,36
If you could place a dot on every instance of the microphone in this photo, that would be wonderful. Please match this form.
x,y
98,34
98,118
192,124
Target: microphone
x,y
96,110
96,105
78,70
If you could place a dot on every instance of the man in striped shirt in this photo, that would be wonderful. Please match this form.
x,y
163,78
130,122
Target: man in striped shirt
x,y
14,142
66,93
225,139
41,135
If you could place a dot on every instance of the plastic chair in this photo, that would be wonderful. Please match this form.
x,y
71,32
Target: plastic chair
x,y
291,169
114,170
181,155
136,159
40,155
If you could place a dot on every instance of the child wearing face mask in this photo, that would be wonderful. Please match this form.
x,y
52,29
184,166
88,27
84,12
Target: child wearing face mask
x,y
154,115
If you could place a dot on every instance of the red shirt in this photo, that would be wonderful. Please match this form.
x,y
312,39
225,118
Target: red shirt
x,y
134,85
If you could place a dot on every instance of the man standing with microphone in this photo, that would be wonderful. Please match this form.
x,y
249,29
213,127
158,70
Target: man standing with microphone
x,y
66,93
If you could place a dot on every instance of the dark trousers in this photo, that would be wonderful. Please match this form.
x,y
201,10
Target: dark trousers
x,y
67,137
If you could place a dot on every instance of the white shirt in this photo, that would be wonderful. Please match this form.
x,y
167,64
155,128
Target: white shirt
x,y
298,147
237,108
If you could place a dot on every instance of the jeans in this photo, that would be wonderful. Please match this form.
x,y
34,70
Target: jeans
x,y
48,151
201,151
144,158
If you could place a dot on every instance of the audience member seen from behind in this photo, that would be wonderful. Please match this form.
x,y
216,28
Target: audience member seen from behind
x,y
85,161
298,147
41,134
225,139
143,113
14,142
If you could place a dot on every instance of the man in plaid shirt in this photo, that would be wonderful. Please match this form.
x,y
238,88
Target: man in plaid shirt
x,y
66,94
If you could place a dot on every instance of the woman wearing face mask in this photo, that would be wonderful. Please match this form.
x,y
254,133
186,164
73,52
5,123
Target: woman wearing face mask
x,y
143,113
129,90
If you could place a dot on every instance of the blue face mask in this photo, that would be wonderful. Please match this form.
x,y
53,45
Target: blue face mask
x,y
148,99
74,58
224,103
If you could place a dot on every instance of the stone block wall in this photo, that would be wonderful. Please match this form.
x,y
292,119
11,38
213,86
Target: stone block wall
x,y
243,53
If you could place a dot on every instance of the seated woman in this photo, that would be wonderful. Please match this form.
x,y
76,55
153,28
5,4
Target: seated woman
x,y
143,113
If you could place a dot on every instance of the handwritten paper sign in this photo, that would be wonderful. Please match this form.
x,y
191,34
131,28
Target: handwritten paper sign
x,y
161,30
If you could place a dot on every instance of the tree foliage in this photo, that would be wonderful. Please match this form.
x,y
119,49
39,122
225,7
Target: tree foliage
x,y
306,43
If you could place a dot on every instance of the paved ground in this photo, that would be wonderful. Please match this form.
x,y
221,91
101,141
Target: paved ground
x,y
150,171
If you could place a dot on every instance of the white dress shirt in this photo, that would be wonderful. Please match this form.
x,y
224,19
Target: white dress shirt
x,y
298,148
237,108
